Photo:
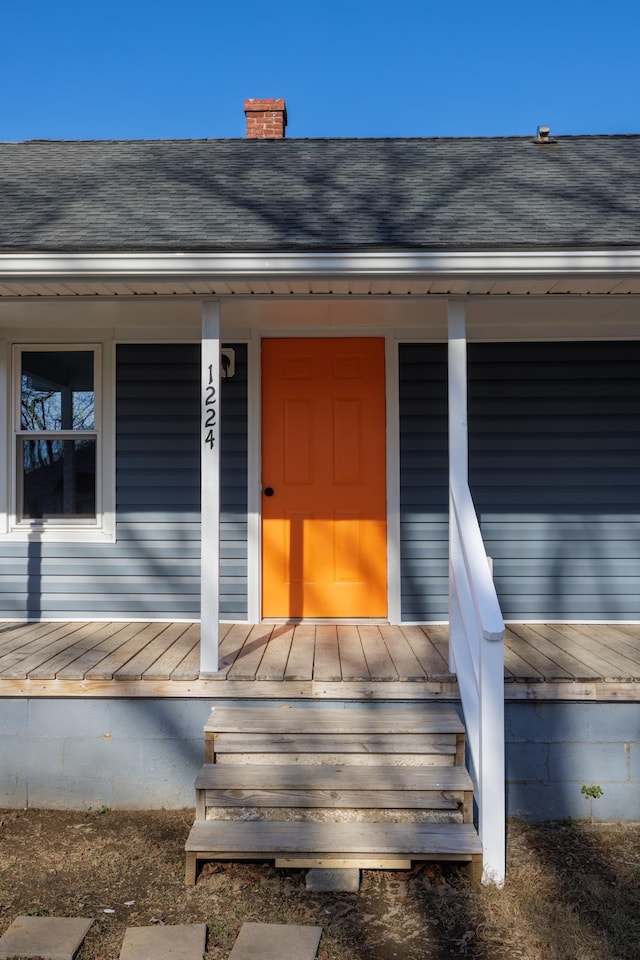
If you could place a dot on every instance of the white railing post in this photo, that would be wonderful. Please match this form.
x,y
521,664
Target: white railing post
x,y
476,627
458,449
491,783
210,489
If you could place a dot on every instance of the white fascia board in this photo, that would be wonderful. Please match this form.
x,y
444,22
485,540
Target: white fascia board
x,y
87,266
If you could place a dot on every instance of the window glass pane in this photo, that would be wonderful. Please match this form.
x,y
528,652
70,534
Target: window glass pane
x,y
58,478
57,391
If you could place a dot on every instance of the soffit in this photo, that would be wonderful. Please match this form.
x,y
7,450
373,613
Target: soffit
x,y
36,288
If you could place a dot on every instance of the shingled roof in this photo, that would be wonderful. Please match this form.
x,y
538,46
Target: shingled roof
x,y
325,194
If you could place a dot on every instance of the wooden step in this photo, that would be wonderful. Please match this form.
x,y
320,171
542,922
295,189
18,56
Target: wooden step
x,y
357,845
422,750
369,785
415,735
327,786
373,719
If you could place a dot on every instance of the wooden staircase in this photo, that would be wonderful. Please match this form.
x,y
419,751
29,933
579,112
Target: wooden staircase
x,y
369,786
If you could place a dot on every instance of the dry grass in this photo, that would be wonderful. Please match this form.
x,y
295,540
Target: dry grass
x,y
573,892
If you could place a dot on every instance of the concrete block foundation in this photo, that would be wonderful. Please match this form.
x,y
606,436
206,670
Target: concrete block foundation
x,y
144,754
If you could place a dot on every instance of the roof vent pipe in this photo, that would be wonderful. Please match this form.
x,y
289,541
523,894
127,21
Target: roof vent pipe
x,y
543,135
266,119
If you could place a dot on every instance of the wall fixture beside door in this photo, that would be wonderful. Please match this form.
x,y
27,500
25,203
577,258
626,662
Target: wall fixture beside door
x,y
227,363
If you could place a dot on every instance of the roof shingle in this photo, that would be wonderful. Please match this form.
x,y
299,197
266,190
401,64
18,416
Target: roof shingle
x,y
310,195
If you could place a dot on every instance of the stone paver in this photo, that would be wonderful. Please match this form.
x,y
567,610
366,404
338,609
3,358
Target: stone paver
x,y
51,938
276,941
181,941
333,881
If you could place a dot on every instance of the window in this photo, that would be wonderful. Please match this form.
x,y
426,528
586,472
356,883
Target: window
x,y
57,437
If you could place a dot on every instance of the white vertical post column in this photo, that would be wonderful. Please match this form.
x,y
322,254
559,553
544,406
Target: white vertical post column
x,y
393,480
5,430
210,489
458,445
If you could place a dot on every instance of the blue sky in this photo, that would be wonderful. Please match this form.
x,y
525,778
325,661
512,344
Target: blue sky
x,y
142,69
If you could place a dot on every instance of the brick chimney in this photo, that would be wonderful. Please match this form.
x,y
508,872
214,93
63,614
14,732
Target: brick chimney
x,y
266,119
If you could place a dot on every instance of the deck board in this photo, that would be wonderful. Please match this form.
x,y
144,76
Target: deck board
x,y
381,666
327,655
560,665
65,653
245,666
329,661
10,633
230,646
353,662
79,668
108,668
33,641
38,651
620,637
189,667
274,662
520,664
406,663
302,653
170,660
611,664
431,647
540,666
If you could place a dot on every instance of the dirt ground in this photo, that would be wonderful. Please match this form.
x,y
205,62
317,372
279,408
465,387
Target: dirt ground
x,y
573,892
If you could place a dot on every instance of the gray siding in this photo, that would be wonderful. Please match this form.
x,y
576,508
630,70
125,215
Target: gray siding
x,y
554,439
233,493
153,570
424,497
555,458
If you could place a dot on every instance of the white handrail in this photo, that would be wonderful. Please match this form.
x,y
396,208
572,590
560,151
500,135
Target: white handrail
x,y
476,634
476,564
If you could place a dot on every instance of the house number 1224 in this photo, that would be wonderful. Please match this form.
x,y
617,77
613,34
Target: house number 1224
x,y
210,411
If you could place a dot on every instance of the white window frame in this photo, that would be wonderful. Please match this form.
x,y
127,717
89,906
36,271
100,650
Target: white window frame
x,y
80,529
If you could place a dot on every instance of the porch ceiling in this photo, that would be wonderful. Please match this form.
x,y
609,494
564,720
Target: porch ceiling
x,y
412,287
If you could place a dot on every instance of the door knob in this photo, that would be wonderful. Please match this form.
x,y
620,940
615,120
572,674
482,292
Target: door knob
x,y
268,491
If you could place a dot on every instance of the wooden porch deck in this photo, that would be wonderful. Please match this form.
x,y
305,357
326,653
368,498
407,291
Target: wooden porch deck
x,y
320,661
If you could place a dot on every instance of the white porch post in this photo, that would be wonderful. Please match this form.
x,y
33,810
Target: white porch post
x,y
210,489
5,427
458,440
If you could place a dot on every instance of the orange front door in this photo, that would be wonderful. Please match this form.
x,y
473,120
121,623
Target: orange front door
x,y
324,551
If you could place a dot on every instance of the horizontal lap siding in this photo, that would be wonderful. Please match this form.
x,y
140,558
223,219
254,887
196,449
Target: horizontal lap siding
x,y
158,475
554,454
554,435
233,493
424,498
153,570
157,479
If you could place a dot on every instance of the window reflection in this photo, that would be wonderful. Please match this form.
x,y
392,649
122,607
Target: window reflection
x,y
58,479
57,390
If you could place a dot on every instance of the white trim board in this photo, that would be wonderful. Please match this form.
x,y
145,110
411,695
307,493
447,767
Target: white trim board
x,y
418,263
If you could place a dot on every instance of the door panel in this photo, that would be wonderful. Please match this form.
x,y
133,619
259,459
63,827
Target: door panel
x,y
324,455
